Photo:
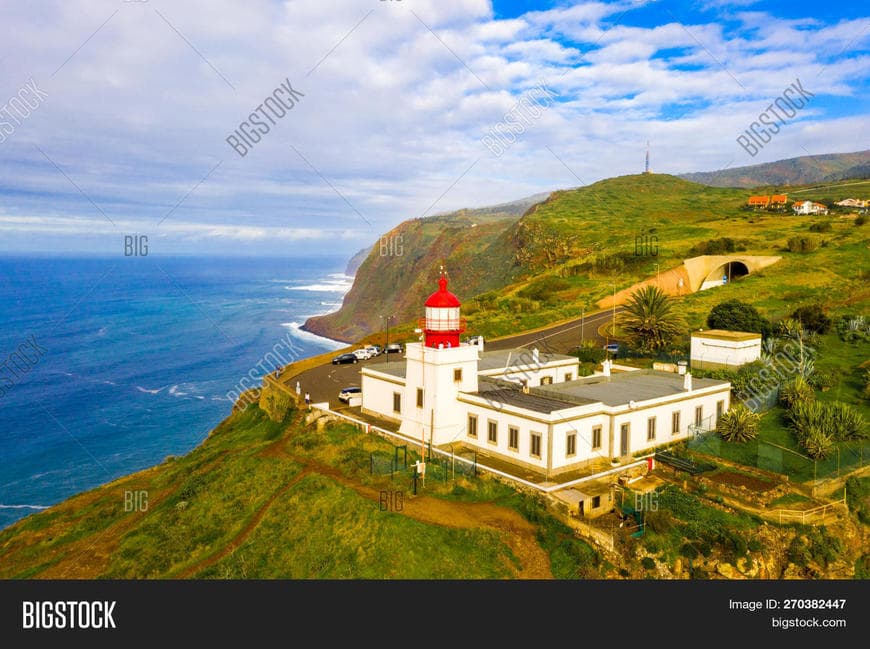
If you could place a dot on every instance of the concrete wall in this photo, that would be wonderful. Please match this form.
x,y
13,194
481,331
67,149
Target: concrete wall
x,y
712,353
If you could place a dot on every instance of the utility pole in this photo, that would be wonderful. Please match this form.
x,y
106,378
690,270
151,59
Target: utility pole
x,y
582,333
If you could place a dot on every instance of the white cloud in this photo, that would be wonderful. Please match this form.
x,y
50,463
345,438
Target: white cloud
x,y
392,114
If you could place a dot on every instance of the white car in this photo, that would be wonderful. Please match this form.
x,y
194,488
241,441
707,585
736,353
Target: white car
x,y
348,393
374,350
363,353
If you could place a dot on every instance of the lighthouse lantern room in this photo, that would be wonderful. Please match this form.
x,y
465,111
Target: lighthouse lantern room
x,y
442,325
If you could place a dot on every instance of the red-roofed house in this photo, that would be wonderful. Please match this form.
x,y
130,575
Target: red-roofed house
x,y
758,202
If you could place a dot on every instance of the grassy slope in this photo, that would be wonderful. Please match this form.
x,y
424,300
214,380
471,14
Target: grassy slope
x,y
576,235
260,499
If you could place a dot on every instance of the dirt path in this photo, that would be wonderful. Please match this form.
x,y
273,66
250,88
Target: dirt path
x,y
243,534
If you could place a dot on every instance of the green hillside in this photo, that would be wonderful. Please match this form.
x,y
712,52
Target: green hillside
x,y
578,246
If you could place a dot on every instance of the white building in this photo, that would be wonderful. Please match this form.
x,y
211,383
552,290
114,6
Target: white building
x,y
809,207
721,349
527,408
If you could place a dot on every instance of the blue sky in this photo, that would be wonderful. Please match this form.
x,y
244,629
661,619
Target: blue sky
x,y
133,102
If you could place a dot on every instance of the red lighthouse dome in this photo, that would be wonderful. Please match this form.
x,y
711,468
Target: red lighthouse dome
x,y
442,324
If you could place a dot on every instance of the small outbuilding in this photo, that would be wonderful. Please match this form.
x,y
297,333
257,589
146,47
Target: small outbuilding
x,y
722,349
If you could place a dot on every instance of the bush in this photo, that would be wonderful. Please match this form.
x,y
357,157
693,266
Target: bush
x,y
648,563
861,220
796,391
803,243
812,318
846,421
734,315
853,328
687,550
821,226
739,424
817,425
543,288
590,352
823,379
754,545
718,246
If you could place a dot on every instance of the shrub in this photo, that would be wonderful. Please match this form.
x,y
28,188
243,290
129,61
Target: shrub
x,y
739,424
543,288
821,226
823,379
687,550
817,443
861,220
648,563
718,246
853,328
803,243
754,545
795,391
590,352
735,315
846,421
812,318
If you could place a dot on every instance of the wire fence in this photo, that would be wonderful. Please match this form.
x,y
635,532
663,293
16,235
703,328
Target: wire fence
x,y
844,458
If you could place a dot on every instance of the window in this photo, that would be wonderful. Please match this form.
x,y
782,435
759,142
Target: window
x,y
419,397
596,437
546,380
397,402
596,502
492,431
699,415
675,422
513,438
472,425
650,429
720,408
568,376
571,444
457,374
535,450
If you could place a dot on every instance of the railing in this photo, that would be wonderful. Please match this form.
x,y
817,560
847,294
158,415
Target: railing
x,y
803,514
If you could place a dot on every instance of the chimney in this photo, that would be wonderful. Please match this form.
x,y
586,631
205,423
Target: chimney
x,y
535,356
687,382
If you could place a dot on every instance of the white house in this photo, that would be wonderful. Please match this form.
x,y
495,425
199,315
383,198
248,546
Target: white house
x,y
809,207
531,409
721,349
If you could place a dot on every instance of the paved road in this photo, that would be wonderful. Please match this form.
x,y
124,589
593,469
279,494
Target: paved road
x,y
324,382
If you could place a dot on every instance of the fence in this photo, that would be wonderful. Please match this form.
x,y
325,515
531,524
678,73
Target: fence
x,y
786,515
844,458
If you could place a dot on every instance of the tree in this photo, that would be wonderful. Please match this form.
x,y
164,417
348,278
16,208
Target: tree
x,y
734,315
739,424
650,320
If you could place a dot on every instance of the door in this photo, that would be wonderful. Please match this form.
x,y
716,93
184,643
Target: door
x,y
623,439
580,509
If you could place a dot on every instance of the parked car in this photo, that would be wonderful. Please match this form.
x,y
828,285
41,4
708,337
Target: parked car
x,y
474,340
345,358
346,394
362,353
375,350
393,348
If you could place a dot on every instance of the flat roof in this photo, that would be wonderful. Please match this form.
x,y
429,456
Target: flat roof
x,y
518,398
393,368
723,334
622,387
514,358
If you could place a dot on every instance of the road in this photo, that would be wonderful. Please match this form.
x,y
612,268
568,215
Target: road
x,y
324,382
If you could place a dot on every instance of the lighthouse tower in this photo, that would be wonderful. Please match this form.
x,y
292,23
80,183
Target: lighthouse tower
x,y
437,369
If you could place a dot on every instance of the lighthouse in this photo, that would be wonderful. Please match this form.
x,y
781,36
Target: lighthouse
x,y
438,368
442,324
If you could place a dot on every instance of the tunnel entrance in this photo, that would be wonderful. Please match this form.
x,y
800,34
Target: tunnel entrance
x,y
725,274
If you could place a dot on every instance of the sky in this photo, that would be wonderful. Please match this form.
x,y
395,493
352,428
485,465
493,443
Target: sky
x,y
123,119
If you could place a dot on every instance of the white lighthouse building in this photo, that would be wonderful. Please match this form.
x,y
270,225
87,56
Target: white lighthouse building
x,y
529,408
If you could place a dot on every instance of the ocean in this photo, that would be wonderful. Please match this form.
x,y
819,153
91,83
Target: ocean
x,y
107,366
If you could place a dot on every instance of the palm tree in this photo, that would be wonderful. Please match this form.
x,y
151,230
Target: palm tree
x,y
650,320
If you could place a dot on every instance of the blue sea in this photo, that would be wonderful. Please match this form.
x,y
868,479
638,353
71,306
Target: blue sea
x,y
132,359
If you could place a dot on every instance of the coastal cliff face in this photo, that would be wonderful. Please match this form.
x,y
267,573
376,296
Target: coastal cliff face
x,y
477,247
